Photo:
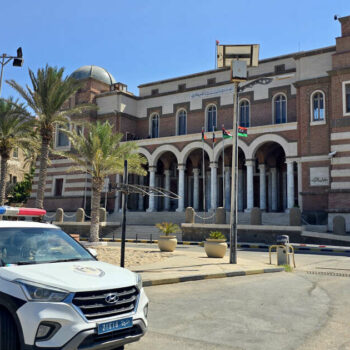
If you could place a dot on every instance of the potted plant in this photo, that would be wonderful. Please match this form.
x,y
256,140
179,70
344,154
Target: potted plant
x,y
215,246
167,242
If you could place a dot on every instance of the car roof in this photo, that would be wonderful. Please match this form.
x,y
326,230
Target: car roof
x,y
25,224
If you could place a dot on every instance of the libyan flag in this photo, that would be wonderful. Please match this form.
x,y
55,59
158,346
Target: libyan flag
x,y
242,131
226,134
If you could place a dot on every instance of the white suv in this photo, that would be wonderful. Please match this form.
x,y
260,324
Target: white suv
x,y
55,295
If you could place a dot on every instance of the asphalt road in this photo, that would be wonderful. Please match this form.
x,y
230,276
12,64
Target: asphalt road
x,y
263,312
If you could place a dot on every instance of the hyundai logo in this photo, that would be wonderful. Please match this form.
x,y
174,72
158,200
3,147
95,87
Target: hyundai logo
x,y
112,298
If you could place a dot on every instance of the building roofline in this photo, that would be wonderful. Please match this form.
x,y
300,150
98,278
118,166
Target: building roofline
x,y
295,55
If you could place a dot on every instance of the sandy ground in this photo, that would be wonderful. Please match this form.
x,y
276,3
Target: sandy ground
x,y
133,257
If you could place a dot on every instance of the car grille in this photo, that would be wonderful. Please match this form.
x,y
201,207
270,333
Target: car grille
x,y
94,306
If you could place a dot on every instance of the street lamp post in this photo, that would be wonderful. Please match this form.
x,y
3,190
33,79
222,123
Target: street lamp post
x,y
238,74
234,197
17,62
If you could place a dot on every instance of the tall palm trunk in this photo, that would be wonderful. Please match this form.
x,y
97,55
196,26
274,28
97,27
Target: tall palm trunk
x,y
44,156
3,175
97,184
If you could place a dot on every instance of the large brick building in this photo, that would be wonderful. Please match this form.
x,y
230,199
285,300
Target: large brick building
x,y
297,151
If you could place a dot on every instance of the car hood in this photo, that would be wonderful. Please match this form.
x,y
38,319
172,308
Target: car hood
x,y
75,276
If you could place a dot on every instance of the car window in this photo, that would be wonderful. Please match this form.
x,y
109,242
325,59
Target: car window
x,y
38,245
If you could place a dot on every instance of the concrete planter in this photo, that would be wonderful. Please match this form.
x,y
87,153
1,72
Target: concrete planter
x,y
215,248
167,243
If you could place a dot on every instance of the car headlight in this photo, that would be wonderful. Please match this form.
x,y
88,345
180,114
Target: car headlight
x,y
138,281
37,292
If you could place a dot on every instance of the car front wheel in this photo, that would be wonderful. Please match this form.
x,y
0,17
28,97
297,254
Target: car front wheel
x,y
8,332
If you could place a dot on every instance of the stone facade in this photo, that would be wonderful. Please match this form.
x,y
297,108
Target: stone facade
x,y
297,152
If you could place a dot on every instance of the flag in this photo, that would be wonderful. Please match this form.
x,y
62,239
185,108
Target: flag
x,y
242,131
226,134
217,42
203,135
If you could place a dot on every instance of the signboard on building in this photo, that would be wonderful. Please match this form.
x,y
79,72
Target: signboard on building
x,y
319,176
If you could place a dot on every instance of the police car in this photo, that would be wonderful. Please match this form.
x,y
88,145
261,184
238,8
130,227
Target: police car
x,y
54,294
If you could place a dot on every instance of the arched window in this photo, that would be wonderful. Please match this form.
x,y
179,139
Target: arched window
x,y
318,110
244,114
211,118
182,122
280,109
154,126
61,137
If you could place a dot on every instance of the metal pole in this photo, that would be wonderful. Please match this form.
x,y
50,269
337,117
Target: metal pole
x,y
125,201
223,170
2,70
233,212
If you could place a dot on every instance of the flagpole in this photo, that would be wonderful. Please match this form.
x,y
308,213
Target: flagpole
x,y
223,169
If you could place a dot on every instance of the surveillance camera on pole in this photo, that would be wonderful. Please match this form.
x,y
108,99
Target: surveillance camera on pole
x,y
17,62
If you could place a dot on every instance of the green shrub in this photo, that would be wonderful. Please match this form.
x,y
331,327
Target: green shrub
x,y
217,235
168,228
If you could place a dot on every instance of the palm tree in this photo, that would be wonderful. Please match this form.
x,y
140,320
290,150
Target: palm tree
x,y
50,90
98,152
16,130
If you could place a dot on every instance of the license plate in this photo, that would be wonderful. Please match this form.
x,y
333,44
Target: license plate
x,y
114,325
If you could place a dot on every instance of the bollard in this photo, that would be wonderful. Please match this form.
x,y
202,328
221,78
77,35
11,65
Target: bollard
x,y
339,225
103,215
220,216
80,216
255,216
282,253
59,215
294,217
189,215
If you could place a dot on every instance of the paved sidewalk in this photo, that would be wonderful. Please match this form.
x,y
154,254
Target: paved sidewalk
x,y
191,265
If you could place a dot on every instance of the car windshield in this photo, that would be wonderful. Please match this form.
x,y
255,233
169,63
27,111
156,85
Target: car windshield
x,y
24,246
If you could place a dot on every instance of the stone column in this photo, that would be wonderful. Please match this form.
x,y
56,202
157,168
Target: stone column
x,y
227,193
240,190
196,188
262,173
273,189
117,195
152,183
300,185
213,182
181,187
290,184
269,190
167,187
250,185
284,189
140,203
208,191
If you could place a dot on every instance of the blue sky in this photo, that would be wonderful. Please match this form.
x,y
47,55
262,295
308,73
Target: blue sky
x,y
140,41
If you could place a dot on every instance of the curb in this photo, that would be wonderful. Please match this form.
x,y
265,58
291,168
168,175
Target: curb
x,y
297,247
158,282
